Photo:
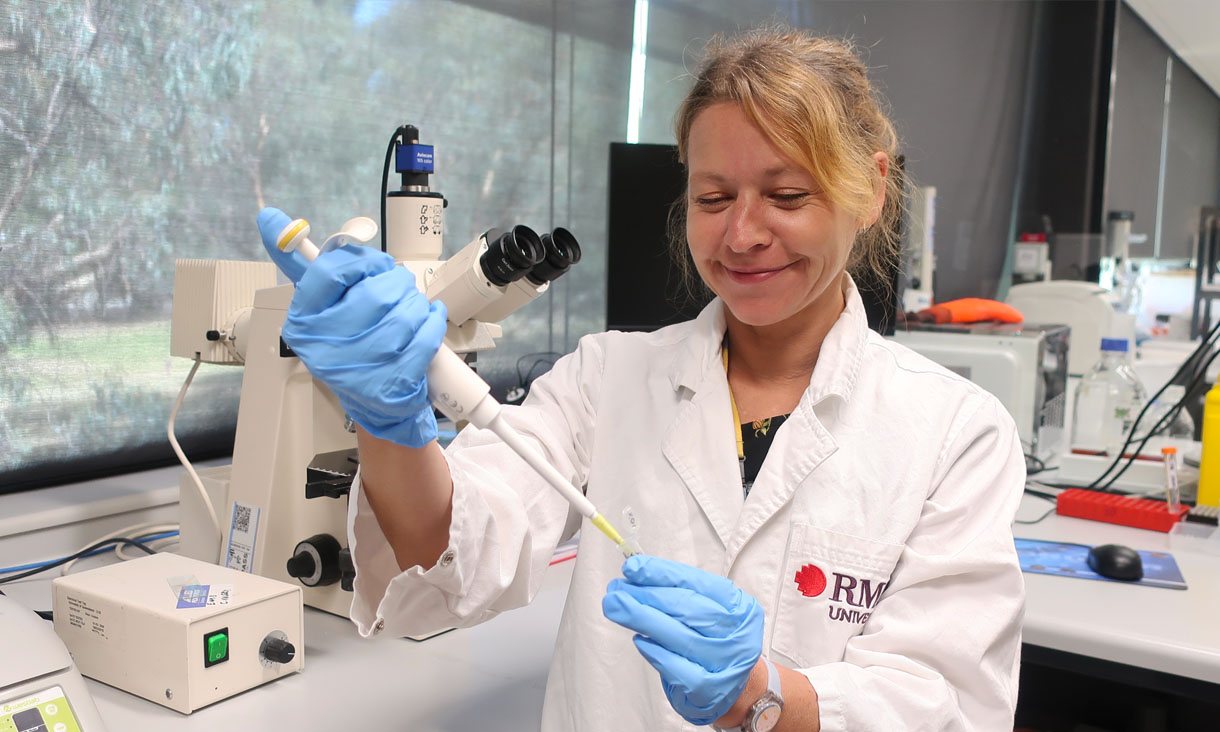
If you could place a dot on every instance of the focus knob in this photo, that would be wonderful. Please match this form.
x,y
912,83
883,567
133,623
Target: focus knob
x,y
315,561
277,650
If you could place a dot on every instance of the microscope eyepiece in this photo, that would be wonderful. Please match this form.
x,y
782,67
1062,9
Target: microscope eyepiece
x,y
561,252
511,255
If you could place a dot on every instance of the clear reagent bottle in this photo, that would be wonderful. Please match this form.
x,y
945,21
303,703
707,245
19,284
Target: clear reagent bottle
x,y
1108,400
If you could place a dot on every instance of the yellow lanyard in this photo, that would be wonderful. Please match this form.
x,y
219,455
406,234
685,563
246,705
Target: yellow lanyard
x,y
741,445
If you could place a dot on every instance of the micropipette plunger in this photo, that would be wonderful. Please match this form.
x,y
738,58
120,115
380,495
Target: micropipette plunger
x,y
459,393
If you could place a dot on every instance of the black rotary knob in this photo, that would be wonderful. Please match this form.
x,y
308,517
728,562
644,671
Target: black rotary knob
x,y
277,650
315,561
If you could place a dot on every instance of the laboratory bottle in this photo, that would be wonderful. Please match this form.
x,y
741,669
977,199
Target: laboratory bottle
x,y
1209,465
1108,400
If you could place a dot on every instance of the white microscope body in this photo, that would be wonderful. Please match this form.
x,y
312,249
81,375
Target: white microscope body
x,y
284,508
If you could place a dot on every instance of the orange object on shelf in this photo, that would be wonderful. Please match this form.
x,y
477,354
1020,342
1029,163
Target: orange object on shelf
x,y
970,310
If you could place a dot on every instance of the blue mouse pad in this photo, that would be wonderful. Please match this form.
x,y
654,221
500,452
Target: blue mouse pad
x,y
1071,560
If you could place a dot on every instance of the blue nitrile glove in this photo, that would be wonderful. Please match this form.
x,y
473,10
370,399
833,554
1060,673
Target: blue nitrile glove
x,y
362,328
697,629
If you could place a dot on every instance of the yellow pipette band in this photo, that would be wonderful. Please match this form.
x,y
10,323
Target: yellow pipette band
x,y
287,236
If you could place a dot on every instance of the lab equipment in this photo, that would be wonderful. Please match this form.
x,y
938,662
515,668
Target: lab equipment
x,y
1144,475
1031,260
1117,272
212,305
283,501
1107,402
1024,365
458,392
700,632
177,631
40,686
1209,462
1142,513
1173,498
1086,308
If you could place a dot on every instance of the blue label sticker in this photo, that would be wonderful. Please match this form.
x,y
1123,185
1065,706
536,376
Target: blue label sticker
x,y
193,596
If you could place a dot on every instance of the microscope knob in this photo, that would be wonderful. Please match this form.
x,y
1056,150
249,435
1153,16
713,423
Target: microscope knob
x,y
315,561
277,650
347,569
301,565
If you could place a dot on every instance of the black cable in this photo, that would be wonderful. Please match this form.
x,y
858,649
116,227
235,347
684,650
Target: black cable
x,y
529,375
1190,362
521,379
1042,495
64,560
1040,519
385,181
1040,466
1164,420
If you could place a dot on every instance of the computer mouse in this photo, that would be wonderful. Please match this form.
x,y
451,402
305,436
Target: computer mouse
x,y
1116,562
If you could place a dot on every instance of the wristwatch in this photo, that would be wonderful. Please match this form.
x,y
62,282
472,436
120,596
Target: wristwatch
x,y
763,714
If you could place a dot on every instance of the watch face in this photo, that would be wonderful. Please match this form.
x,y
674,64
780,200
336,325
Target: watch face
x,y
767,718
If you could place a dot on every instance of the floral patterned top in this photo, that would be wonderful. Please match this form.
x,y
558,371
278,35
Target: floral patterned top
x,y
756,439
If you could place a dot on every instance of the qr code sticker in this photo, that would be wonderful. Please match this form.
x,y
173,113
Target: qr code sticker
x,y
241,518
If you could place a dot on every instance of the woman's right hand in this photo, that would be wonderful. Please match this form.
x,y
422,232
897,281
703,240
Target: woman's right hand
x,y
363,329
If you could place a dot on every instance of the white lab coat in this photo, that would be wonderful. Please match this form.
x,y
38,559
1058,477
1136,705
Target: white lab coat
x,y
877,536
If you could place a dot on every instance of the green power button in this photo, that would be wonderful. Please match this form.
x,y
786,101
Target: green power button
x,y
216,647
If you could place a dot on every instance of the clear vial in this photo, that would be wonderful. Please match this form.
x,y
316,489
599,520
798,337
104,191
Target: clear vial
x,y
1108,400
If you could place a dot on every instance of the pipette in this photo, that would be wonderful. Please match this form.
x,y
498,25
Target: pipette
x,y
456,390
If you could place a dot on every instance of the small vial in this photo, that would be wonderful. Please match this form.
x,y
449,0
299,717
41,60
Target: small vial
x,y
1173,497
631,532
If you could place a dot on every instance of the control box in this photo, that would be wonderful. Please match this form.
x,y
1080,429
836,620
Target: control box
x,y
177,631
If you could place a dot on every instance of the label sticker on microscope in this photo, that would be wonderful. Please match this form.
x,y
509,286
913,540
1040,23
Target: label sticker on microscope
x,y
243,533
193,596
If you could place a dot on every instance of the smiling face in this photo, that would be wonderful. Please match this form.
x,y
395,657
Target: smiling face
x,y
762,233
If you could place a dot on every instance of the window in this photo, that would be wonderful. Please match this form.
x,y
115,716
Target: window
x,y
136,132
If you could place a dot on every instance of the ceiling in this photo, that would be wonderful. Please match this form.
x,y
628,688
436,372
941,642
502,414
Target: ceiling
x,y
1190,29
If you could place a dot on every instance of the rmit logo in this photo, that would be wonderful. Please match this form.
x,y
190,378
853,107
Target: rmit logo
x,y
854,592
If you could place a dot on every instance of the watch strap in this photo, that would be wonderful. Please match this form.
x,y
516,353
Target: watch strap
x,y
773,692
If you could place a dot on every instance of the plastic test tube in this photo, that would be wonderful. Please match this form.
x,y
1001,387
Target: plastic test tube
x,y
1173,498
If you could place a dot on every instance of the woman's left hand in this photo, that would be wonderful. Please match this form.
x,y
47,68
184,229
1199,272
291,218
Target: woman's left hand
x,y
697,629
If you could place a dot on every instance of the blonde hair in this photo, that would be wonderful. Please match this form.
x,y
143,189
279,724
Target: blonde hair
x,y
812,98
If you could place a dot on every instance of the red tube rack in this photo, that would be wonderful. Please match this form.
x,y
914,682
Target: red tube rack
x,y
1142,513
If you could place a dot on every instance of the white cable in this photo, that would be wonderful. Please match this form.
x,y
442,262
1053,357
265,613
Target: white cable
x,y
173,441
145,529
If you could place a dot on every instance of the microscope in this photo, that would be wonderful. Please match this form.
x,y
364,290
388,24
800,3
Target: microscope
x,y
282,505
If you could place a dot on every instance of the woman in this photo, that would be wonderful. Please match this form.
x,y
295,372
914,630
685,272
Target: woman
x,y
863,572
